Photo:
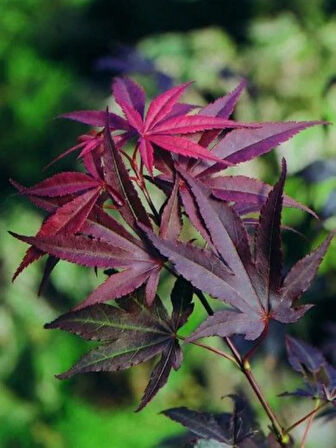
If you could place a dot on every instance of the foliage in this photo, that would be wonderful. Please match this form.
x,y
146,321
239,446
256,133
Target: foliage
x,y
136,243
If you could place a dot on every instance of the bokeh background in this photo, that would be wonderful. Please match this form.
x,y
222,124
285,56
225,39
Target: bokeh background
x,y
61,55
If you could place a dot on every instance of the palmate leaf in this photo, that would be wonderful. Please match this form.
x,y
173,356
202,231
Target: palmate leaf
x,y
253,286
236,147
99,230
238,429
67,218
165,124
103,244
319,376
131,334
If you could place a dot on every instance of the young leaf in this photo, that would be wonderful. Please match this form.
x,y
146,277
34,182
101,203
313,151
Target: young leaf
x,y
163,122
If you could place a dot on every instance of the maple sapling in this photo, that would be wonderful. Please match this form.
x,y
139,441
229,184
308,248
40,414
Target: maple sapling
x,y
183,150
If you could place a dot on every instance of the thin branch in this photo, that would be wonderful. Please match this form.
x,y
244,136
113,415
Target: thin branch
x,y
245,367
309,425
214,350
305,417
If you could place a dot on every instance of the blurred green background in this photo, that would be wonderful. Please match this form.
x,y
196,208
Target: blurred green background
x,y
60,55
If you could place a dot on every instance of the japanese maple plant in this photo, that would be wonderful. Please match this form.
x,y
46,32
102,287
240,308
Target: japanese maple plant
x,y
105,217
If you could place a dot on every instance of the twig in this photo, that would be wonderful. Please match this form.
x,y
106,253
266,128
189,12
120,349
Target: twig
x,y
309,425
305,417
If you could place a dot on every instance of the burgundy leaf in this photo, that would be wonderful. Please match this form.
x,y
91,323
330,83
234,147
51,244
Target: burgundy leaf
x,y
30,256
127,91
192,211
117,176
103,226
228,235
226,323
268,255
191,124
202,268
303,356
245,144
97,118
69,218
185,147
119,284
159,376
171,219
48,268
62,184
181,298
82,250
246,190
222,107
303,272
152,285
203,424
163,104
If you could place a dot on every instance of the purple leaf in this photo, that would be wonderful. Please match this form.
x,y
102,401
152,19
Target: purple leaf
x,y
223,106
152,285
303,356
268,255
246,190
127,91
245,144
191,209
97,118
163,104
202,268
119,284
185,147
226,323
82,250
303,272
228,235
181,298
133,117
117,176
203,424
62,184
191,124
68,218
160,374
171,219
